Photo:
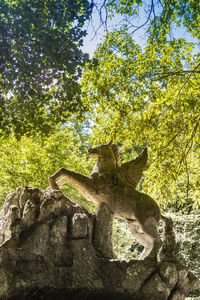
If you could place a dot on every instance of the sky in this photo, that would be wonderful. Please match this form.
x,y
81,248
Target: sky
x,y
93,38
96,34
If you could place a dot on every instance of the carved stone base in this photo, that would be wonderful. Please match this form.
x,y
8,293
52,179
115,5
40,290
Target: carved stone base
x,y
47,252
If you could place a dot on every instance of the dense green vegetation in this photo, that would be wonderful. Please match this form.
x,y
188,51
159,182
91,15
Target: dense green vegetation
x,y
30,160
40,62
137,95
142,97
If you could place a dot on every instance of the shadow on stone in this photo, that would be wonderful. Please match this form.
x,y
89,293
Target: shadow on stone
x,y
48,251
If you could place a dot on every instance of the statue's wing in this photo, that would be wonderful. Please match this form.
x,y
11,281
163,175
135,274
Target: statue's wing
x,y
131,172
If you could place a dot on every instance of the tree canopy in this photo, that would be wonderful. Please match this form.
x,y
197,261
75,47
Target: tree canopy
x,y
151,97
41,58
40,62
158,17
140,96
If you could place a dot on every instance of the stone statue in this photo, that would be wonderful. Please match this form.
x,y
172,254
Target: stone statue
x,y
113,185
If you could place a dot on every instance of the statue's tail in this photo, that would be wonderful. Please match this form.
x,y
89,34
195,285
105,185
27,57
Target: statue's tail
x,y
168,222
169,251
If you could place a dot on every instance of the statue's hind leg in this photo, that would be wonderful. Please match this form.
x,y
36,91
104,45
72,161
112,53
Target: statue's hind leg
x,y
147,236
138,233
153,240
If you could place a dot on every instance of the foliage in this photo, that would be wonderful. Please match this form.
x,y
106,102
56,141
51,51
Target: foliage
x,y
187,228
150,97
125,246
40,62
41,58
32,159
157,17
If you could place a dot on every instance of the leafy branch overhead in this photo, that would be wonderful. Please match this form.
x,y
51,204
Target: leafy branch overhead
x,y
150,96
141,96
157,17
41,61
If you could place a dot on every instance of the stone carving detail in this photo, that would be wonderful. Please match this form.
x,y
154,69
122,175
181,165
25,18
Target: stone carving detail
x,y
114,185
47,252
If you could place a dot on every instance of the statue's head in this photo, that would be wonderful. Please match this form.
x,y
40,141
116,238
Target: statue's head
x,y
101,151
107,151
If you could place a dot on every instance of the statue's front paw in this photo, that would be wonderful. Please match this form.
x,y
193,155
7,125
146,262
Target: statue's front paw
x,y
52,184
54,187
150,259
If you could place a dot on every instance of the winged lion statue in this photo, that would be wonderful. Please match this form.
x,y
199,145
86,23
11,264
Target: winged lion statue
x,y
114,185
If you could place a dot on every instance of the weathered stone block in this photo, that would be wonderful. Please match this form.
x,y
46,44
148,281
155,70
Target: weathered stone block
x,y
137,273
177,296
184,285
168,273
156,288
38,242
11,199
79,228
53,257
58,231
29,213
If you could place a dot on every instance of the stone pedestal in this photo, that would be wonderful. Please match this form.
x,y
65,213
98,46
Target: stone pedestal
x,y
48,251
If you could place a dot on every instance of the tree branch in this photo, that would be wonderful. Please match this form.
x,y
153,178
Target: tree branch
x,y
193,71
187,147
175,73
164,147
147,20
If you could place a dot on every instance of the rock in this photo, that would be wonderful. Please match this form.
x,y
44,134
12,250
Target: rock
x,y
79,226
177,296
168,273
58,232
137,272
194,284
156,288
11,199
48,252
8,223
29,213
